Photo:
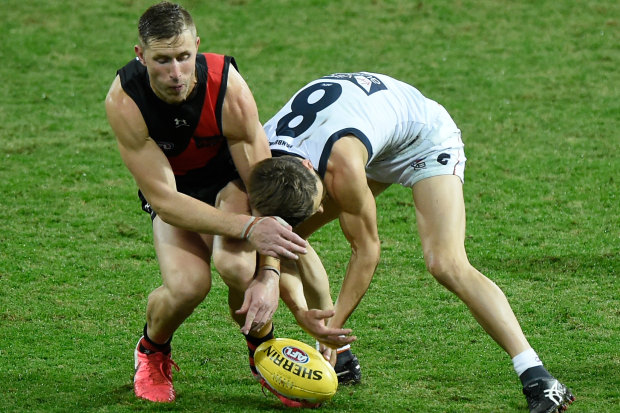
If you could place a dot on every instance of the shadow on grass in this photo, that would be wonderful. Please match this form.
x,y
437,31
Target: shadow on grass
x,y
215,399
579,264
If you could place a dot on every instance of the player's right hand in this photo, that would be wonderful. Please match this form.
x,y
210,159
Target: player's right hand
x,y
273,236
313,322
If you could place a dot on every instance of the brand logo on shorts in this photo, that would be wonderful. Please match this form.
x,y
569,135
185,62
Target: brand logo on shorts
x,y
443,158
295,354
418,164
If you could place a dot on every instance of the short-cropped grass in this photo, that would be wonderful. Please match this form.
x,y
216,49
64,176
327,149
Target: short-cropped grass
x,y
533,85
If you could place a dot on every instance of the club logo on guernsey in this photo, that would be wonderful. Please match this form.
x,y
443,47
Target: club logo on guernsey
x,y
365,81
292,359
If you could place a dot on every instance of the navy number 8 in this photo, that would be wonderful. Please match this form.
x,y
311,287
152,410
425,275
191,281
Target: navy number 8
x,y
300,106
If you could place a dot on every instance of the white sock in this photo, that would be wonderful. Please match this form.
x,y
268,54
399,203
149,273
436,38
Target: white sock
x,y
339,350
343,349
525,360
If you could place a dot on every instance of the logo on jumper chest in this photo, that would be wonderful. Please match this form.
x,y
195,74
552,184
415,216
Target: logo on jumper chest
x,y
180,122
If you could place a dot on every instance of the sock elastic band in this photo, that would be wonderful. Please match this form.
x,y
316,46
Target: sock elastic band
x,y
256,341
150,345
525,360
343,349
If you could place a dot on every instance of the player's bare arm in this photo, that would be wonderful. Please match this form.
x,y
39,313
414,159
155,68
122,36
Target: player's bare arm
x,y
241,126
317,293
153,174
294,293
347,184
314,280
330,212
248,145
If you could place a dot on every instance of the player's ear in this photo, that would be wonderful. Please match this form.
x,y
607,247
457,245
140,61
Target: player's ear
x,y
139,53
307,164
197,42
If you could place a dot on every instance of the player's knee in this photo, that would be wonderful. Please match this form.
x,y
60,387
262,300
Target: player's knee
x,y
231,197
190,291
448,270
236,274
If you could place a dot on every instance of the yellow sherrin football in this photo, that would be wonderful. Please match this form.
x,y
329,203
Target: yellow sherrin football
x,y
296,370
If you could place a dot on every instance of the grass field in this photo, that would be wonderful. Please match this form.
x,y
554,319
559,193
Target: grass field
x,y
533,85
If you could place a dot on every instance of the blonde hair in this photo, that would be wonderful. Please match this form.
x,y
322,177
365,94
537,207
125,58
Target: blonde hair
x,y
283,187
164,20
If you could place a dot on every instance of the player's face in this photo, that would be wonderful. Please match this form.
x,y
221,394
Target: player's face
x,y
171,65
321,190
318,199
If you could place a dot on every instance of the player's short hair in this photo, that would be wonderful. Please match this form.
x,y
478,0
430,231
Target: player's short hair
x,y
164,20
284,187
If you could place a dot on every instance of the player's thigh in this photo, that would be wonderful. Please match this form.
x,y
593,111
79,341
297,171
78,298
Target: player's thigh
x,y
184,259
377,187
235,259
440,214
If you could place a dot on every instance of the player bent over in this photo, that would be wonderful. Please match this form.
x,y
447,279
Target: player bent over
x,y
236,262
357,133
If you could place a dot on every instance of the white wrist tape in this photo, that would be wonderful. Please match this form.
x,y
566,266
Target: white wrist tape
x,y
281,221
253,221
247,228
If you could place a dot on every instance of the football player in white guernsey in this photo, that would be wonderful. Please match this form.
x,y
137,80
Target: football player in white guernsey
x,y
354,134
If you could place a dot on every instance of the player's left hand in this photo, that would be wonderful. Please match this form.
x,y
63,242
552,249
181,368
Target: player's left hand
x,y
313,322
260,301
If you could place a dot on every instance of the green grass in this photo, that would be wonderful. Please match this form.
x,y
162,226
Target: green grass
x,y
533,85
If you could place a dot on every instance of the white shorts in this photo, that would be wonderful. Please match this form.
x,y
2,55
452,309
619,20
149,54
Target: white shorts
x,y
443,156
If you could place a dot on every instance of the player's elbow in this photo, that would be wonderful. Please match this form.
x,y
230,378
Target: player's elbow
x,y
164,213
370,253
163,207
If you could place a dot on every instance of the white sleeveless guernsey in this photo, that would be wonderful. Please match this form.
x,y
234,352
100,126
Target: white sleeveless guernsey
x,y
408,136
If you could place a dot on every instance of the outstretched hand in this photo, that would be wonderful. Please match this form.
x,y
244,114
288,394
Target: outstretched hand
x,y
260,301
313,322
273,236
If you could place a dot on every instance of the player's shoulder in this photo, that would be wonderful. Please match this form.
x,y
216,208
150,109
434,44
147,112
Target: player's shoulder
x,y
235,83
124,115
117,99
348,158
349,148
238,100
